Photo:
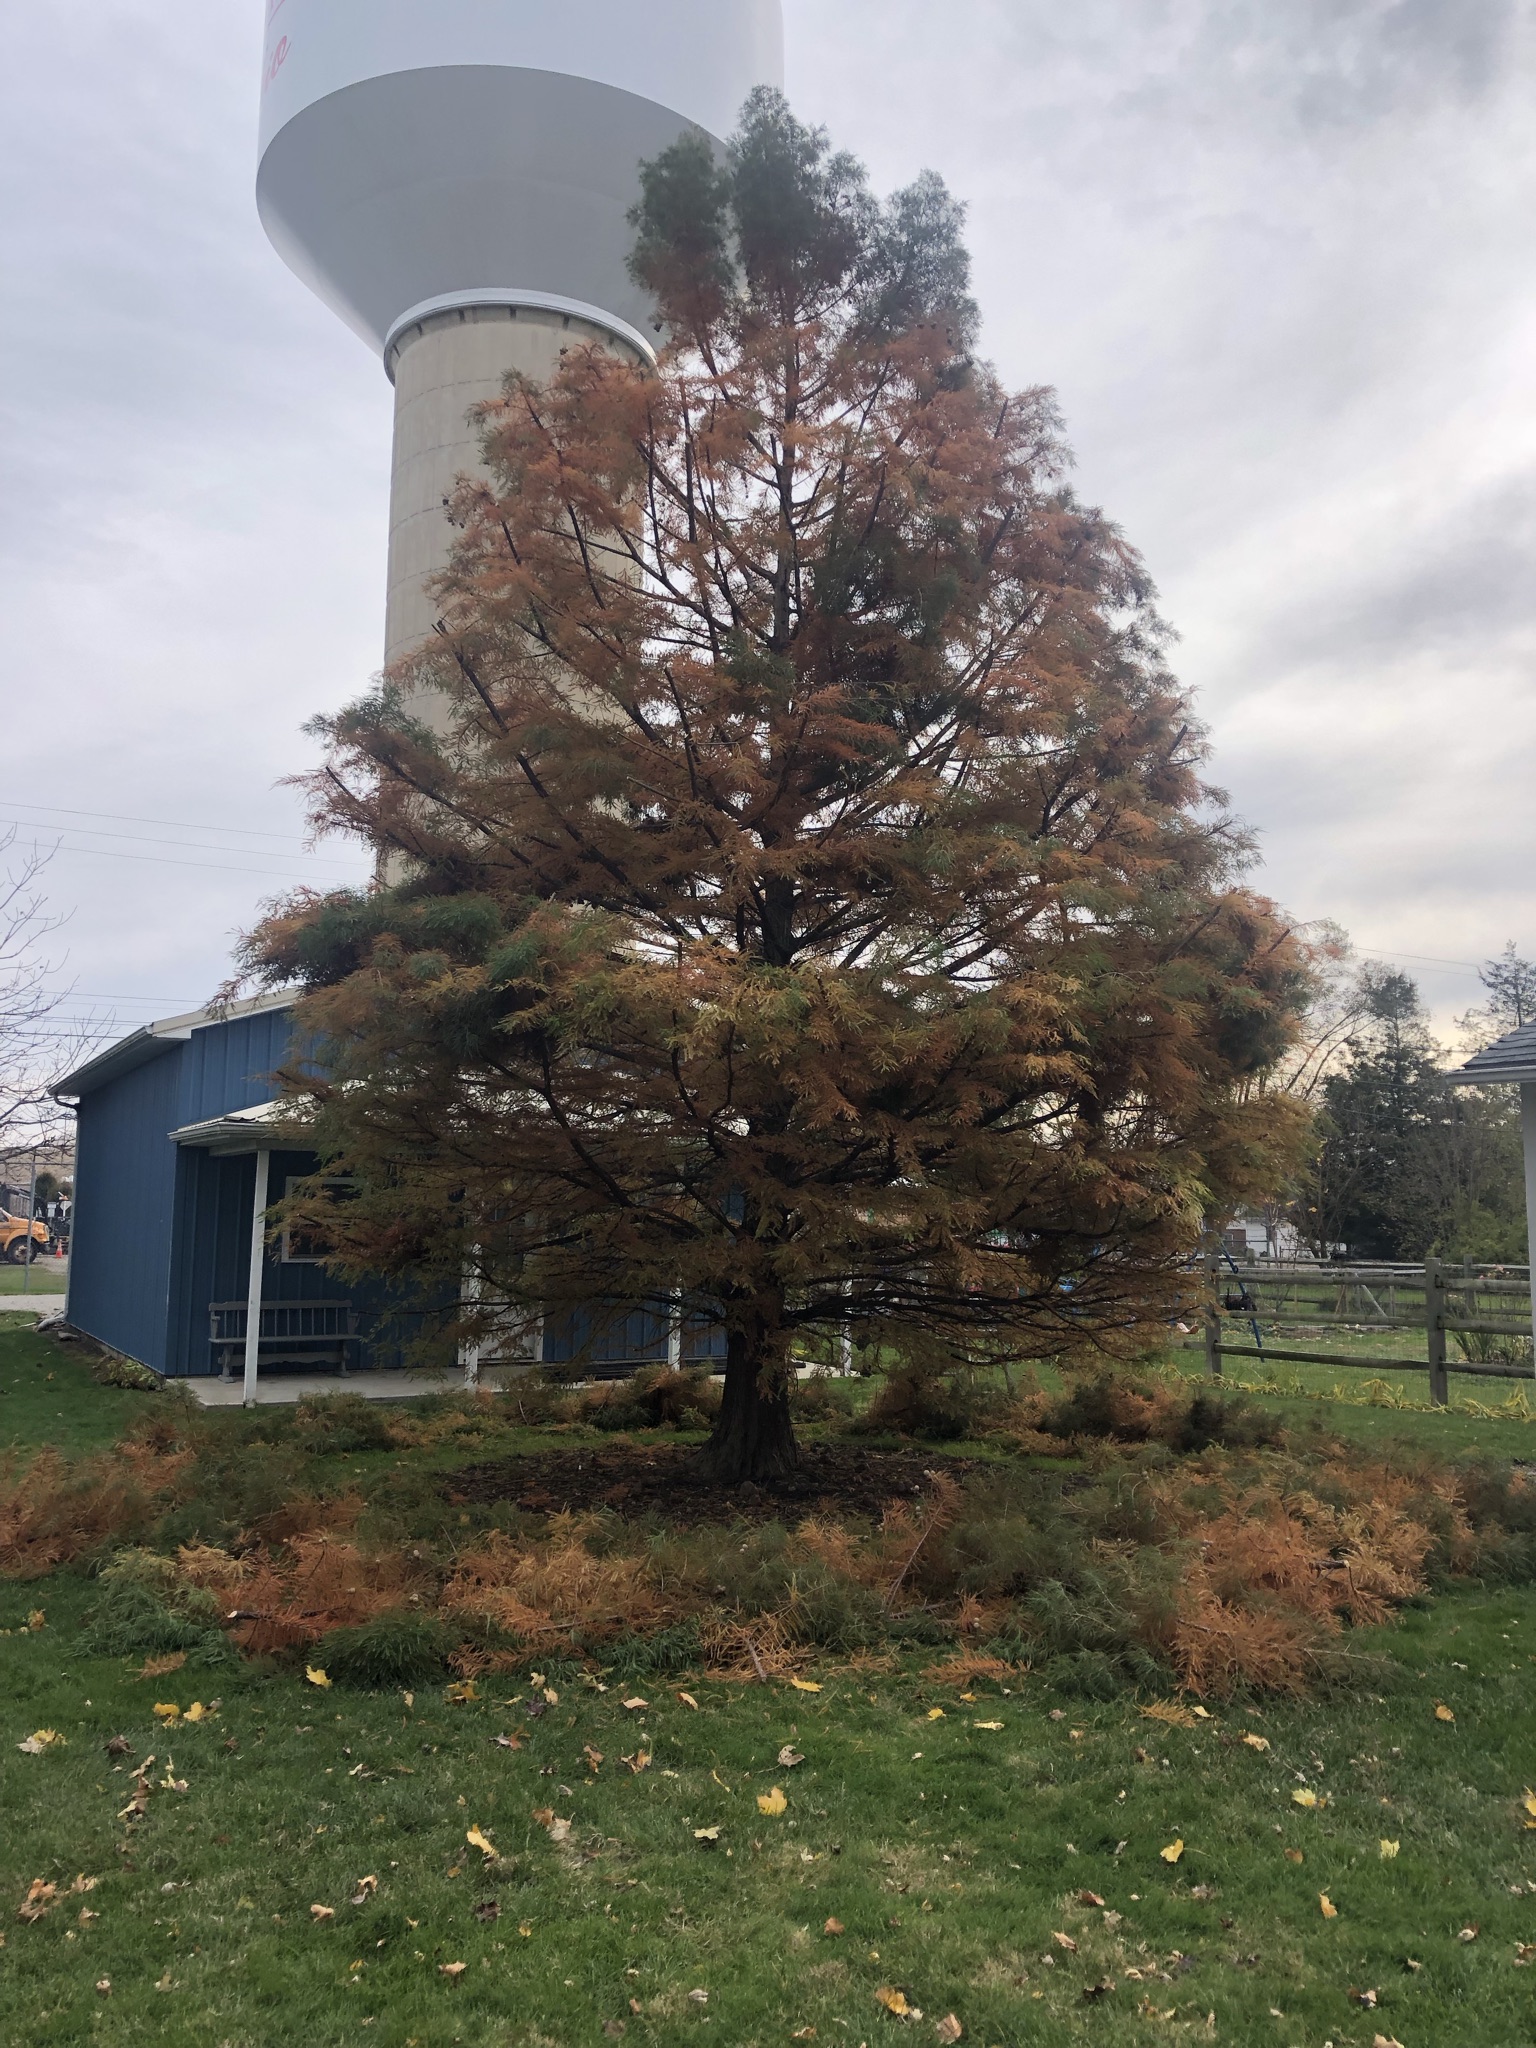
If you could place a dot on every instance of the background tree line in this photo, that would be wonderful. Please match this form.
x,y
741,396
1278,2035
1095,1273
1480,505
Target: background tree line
x,y
1403,1163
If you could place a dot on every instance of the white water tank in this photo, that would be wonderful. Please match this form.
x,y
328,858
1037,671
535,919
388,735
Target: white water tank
x,y
452,178
418,152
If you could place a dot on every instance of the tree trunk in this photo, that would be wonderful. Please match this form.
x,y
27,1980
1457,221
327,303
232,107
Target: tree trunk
x,y
754,1438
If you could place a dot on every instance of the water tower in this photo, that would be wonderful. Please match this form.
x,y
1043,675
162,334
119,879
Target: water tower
x,y
452,178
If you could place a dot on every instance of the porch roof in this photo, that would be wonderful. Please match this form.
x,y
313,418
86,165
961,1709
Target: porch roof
x,y
1510,1058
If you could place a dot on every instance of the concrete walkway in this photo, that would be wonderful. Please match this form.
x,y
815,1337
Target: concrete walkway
x,y
293,1386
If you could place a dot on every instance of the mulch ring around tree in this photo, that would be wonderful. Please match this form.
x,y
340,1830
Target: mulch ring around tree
x,y
639,1481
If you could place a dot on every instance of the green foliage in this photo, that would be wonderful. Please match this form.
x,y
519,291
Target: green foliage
x,y
113,1370
393,1650
934,1399
145,1609
1409,1164
655,1398
342,1424
665,1654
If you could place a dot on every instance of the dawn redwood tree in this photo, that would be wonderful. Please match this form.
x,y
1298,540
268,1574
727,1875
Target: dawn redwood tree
x,y
802,899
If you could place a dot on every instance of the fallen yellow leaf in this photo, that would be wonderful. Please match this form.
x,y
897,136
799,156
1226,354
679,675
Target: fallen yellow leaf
x,y
167,1711
636,1705
197,1711
772,1802
949,2029
894,2001
1172,1853
804,1685
1065,1941
935,1713
1294,1856
1529,1802
688,1700
834,1927
477,1840
37,1619
1255,1742
452,1971
317,1677
1326,1907
1443,1712
1389,1850
322,1913
45,1738
1306,1797
462,1692
987,1724
1385,2041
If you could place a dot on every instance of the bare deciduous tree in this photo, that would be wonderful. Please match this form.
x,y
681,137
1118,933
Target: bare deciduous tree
x,y
36,1045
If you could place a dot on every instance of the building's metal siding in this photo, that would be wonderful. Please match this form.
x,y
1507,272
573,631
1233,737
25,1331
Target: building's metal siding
x,y
125,1183
231,1066
140,1252
215,1238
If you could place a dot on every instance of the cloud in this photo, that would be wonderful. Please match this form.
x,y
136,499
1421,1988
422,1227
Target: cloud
x,y
1275,257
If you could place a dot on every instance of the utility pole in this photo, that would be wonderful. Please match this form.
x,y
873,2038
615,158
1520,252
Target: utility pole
x,y
26,1271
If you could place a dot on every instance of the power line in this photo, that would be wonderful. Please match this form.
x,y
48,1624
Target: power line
x,y
204,866
177,824
139,839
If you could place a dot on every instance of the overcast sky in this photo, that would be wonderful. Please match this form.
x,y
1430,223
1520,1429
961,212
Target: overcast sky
x,y
1276,255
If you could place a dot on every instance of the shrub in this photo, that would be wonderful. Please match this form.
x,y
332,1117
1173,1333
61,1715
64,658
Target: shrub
x,y
113,1370
937,1401
656,1398
53,1512
342,1424
394,1649
665,1654
147,1609
1121,1410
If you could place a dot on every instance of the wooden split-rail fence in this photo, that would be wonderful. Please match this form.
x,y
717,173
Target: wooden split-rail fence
x,y
1473,1322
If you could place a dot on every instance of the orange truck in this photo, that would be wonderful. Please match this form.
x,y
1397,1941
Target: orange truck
x,y
14,1235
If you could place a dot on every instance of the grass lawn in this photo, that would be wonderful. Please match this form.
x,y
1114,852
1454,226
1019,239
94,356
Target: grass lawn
x,y
47,1396
49,1276
920,1849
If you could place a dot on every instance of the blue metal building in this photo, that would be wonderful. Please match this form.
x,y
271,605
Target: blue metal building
x,y
177,1161
169,1144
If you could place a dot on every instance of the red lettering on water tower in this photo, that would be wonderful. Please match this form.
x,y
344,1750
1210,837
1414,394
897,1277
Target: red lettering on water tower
x,y
278,59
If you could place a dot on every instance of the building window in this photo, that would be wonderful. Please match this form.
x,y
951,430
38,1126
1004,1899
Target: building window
x,y
306,1246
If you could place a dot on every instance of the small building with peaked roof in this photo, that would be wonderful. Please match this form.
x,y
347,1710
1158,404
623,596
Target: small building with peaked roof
x,y
183,1146
1511,1062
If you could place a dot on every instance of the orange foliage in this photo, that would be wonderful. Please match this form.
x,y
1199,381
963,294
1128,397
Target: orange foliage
x,y
288,1599
540,1590
53,1511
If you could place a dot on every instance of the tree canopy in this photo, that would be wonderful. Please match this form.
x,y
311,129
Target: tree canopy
x,y
802,900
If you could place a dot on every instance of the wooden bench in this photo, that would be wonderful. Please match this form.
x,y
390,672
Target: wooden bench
x,y
319,1334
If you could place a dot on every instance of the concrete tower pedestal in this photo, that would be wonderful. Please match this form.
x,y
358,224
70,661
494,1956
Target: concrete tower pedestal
x,y
443,365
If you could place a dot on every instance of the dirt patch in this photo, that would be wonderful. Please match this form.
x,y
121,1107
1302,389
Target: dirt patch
x,y
636,1481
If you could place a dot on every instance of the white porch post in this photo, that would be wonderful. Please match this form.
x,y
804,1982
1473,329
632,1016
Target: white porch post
x,y
469,1291
1528,1139
675,1334
253,1286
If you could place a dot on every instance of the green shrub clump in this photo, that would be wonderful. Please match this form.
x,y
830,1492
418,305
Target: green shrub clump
x,y
392,1650
147,1610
